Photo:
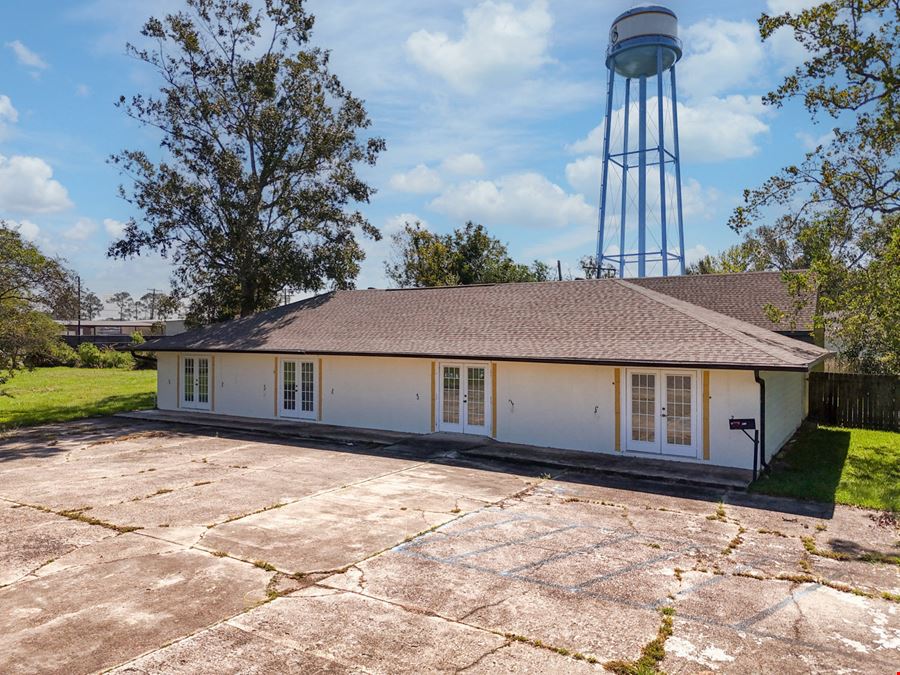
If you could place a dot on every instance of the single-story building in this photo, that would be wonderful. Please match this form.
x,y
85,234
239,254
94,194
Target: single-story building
x,y
113,332
601,365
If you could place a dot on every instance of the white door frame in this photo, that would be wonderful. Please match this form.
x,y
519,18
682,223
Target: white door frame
x,y
297,411
464,425
193,387
660,444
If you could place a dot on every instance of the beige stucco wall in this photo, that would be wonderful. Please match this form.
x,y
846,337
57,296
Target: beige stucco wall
x,y
560,406
377,393
551,405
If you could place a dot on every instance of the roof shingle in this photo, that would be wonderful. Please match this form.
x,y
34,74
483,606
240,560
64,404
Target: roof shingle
x,y
591,321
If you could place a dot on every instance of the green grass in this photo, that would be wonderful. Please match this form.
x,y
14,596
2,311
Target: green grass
x,y
837,465
59,394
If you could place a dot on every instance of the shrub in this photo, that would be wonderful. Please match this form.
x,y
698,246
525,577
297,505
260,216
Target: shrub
x,y
88,355
57,353
137,338
110,358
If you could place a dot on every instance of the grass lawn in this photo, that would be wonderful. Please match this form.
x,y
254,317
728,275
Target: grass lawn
x,y
58,394
837,465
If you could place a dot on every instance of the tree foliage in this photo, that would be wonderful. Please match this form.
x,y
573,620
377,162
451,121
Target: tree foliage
x,y
91,305
835,211
124,304
747,256
30,283
468,255
260,146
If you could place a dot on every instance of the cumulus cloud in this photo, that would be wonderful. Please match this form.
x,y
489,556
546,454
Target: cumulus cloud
x,y
720,56
114,228
27,186
711,130
694,253
498,41
26,228
792,6
25,56
7,112
81,230
419,180
527,199
466,164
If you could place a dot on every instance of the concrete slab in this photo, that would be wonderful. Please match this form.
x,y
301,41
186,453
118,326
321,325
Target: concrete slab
x,y
88,618
516,573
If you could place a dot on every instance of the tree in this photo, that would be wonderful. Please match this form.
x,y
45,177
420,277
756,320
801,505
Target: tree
x,y
469,255
91,305
254,193
834,211
167,306
125,304
29,283
744,257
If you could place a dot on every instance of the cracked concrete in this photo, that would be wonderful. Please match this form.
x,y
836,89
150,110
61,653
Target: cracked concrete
x,y
409,558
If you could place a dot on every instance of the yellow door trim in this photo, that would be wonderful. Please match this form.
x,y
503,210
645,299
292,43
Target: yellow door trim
x,y
275,391
319,408
494,400
617,405
433,394
178,381
706,398
212,398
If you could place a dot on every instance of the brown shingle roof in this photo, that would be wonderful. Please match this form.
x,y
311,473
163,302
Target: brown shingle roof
x,y
596,321
743,296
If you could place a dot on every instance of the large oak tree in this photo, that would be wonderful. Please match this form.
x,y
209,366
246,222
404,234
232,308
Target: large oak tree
x,y
255,187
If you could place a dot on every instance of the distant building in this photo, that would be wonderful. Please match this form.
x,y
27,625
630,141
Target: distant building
x,y
114,332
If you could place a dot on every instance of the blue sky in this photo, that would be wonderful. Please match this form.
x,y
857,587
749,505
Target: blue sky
x,y
490,111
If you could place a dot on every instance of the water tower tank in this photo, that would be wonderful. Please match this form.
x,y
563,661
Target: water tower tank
x,y
635,37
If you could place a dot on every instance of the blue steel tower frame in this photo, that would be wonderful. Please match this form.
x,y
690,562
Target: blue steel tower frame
x,y
661,156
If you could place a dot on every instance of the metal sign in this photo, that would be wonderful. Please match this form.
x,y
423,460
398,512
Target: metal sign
x,y
740,423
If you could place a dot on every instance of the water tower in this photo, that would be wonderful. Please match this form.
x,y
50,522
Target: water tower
x,y
641,230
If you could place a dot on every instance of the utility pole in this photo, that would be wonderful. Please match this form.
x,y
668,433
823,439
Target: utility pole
x,y
78,336
559,270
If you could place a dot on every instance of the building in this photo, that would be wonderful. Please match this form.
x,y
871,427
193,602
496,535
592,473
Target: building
x,y
594,365
111,332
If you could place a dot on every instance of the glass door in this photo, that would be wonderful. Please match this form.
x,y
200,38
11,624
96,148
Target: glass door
x,y
196,385
297,389
642,411
679,414
463,400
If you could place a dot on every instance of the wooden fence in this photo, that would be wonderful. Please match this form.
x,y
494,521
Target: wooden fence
x,y
855,400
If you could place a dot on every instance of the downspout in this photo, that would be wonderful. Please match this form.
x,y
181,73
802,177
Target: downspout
x,y
762,418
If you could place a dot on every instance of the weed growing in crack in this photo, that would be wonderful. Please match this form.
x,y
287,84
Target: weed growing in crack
x,y
263,565
652,653
869,556
735,542
562,651
719,514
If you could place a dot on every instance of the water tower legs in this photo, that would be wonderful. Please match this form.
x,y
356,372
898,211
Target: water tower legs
x,y
642,176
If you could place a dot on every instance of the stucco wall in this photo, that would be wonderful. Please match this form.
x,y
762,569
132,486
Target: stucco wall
x,y
559,406
552,405
166,381
784,407
245,385
733,393
377,393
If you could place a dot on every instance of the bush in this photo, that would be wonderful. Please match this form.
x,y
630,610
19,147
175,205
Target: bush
x,y
110,358
137,338
57,353
88,355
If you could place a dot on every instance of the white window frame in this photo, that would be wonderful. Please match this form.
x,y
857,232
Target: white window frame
x,y
463,427
660,446
196,404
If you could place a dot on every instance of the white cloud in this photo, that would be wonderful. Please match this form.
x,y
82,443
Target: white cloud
x,y
419,180
81,230
25,56
694,253
811,142
712,130
27,186
720,56
527,199
7,112
114,228
498,41
395,223
82,90
26,228
466,164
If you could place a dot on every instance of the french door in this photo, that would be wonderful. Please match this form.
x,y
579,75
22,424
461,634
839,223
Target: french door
x,y
195,388
297,389
661,412
464,398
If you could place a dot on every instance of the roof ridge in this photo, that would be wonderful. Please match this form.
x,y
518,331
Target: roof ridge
x,y
721,323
